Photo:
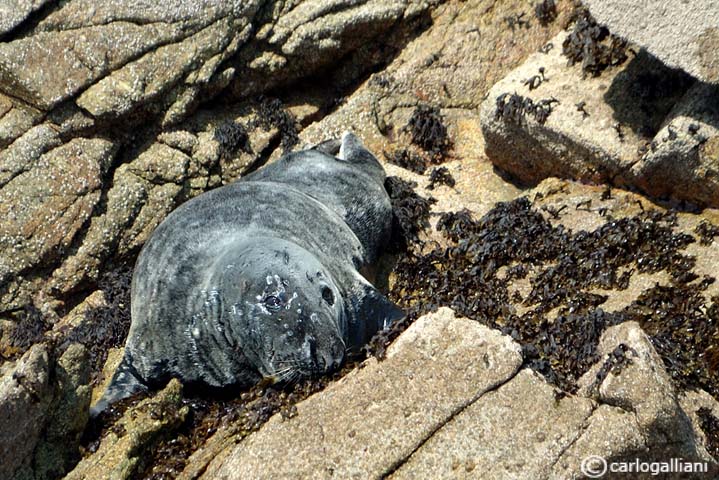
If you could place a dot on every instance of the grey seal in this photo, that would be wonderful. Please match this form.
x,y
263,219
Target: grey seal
x,y
260,279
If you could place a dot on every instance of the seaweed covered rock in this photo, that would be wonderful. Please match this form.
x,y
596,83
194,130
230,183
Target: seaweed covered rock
x,y
567,124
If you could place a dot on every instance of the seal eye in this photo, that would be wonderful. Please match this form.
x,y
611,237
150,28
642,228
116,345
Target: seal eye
x,y
328,296
272,302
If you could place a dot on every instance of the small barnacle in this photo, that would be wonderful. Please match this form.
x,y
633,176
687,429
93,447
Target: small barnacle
x,y
693,128
671,134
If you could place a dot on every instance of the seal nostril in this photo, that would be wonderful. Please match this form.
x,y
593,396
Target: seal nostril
x,y
313,350
328,296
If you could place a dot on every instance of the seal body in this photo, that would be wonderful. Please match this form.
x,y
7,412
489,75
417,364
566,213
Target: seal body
x,y
260,278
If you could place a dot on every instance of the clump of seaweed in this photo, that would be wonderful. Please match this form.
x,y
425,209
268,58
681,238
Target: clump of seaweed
x,y
513,108
272,114
564,269
440,176
592,45
516,21
29,328
710,425
428,131
410,211
105,327
408,159
232,138
706,231
545,11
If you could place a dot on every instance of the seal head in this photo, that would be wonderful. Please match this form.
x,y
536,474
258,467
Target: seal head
x,y
285,311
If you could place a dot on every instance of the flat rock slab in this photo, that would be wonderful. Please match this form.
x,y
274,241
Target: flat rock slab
x,y
368,423
516,431
681,33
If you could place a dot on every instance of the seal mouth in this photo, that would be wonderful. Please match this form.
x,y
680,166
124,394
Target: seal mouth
x,y
309,361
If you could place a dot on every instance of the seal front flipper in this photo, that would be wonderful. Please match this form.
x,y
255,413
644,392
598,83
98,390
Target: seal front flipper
x,y
370,312
125,382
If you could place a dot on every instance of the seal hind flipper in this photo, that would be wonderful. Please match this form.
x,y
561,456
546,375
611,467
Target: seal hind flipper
x,y
352,150
370,312
125,383
330,147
